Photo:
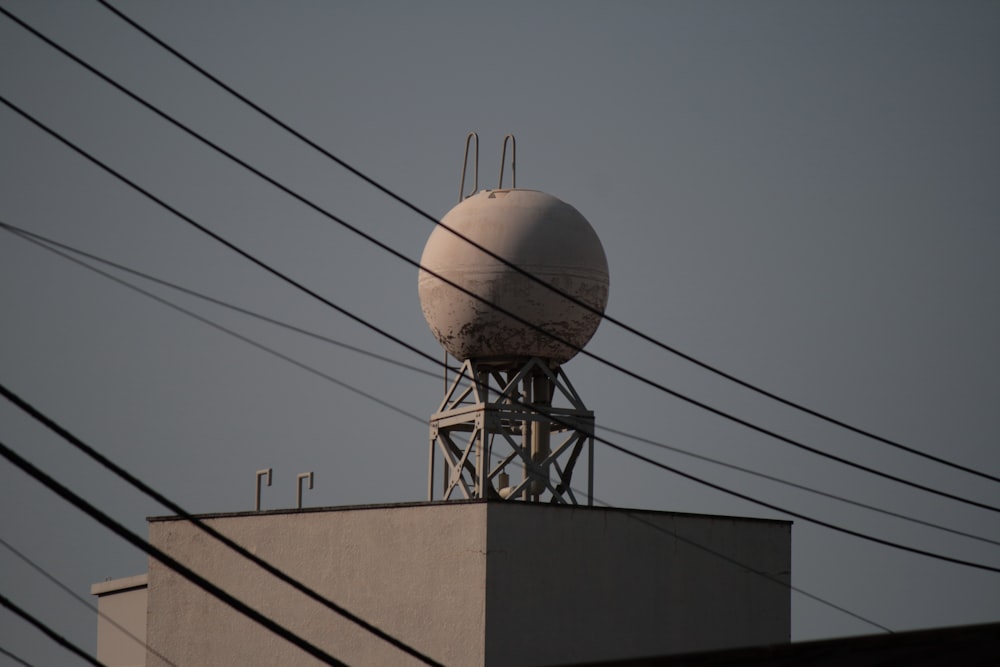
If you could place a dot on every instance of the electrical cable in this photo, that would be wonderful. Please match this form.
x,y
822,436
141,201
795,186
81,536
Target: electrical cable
x,y
219,327
604,441
803,592
794,485
657,385
76,442
770,577
626,327
13,657
208,530
422,421
204,297
797,515
638,517
208,232
66,589
41,242
49,632
167,560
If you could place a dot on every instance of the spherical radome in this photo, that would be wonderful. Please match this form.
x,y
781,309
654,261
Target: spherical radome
x,y
535,232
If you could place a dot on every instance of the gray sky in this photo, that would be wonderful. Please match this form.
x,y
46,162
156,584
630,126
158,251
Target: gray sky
x,y
803,194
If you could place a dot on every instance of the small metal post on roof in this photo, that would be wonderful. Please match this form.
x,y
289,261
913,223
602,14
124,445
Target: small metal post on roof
x,y
260,474
298,487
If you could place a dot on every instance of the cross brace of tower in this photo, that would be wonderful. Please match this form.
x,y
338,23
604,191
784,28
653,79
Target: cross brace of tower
x,y
499,418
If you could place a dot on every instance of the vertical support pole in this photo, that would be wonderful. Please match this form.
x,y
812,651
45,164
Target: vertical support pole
x,y
590,470
480,461
298,487
430,465
541,395
261,473
525,438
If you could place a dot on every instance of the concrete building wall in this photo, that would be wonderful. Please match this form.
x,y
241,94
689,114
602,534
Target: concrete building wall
x,y
567,585
121,602
417,572
474,584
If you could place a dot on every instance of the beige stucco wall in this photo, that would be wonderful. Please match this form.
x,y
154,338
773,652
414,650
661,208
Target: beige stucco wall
x,y
569,585
473,584
121,604
417,572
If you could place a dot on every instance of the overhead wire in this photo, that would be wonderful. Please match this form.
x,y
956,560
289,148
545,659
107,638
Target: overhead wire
x,y
268,567
76,442
700,546
69,591
794,588
45,629
797,515
795,485
636,516
418,419
546,285
368,237
167,560
608,443
42,241
25,233
15,658
778,509
219,327
208,232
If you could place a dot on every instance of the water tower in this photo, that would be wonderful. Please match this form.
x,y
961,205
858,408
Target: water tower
x,y
514,582
513,285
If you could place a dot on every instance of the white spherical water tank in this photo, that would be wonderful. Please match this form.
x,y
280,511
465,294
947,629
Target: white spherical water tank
x,y
535,232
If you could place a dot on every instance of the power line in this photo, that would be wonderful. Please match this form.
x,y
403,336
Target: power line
x,y
611,364
118,470
49,632
638,517
14,657
219,327
602,440
794,485
65,493
204,297
166,559
201,525
711,551
797,515
705,548
578,302
637,376
213,235
41,242
770,577
66,589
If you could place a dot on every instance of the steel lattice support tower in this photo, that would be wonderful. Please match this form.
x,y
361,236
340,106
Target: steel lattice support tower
x,y
494,420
